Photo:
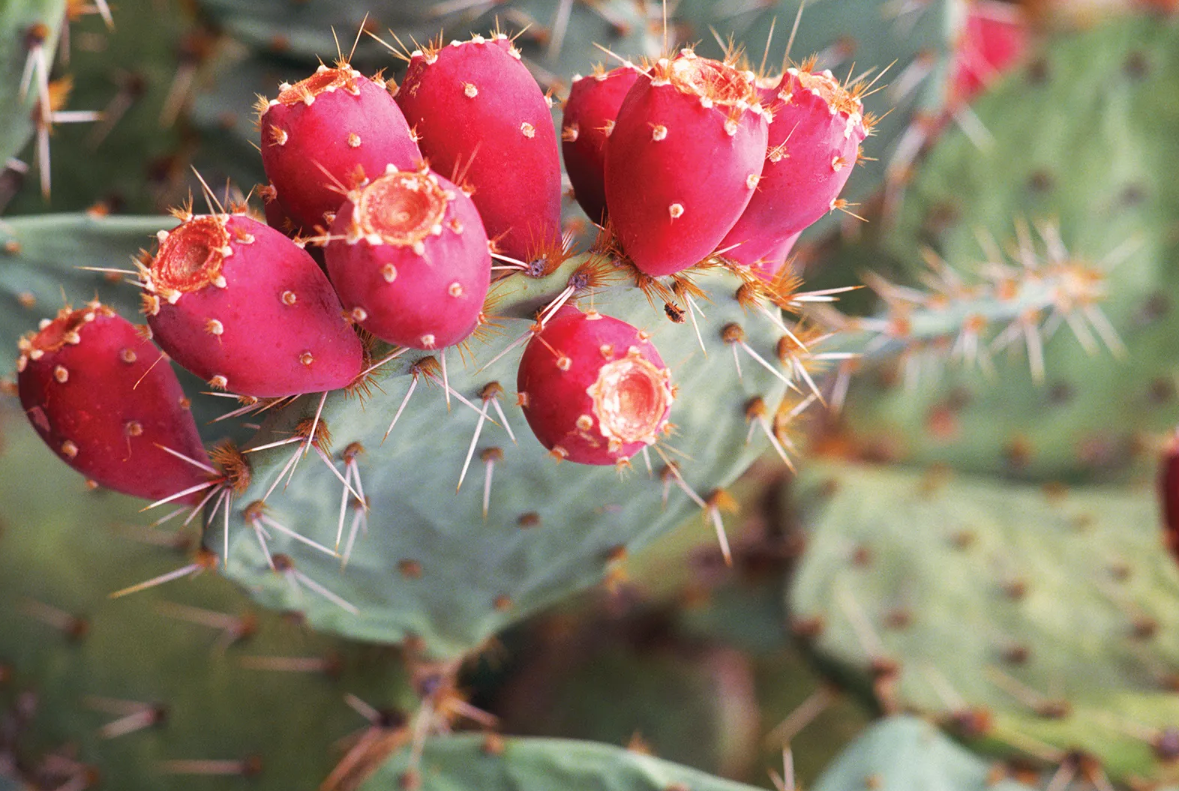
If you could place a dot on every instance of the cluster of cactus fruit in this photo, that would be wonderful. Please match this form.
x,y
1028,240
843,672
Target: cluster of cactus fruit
x,y
679,149
405,224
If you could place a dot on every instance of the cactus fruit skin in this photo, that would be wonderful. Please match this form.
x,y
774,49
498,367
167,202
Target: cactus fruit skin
x,y
247,310
105,400
814,143
409,258
589,116
482,121
771,263
325,132
683,160
594,388
994,39
1168,491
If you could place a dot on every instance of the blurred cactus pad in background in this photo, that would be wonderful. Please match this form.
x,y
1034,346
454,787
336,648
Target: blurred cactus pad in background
x,y
584,394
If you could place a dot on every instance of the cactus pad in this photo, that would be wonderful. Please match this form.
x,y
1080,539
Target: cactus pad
x,y
1031,620
1093,169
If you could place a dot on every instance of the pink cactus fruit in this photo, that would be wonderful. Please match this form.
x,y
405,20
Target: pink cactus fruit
x,y
814,143
588,121
248,310
683,160
1168,490
482,120
593,388
773,262
409,257
320,132
100,396
994,38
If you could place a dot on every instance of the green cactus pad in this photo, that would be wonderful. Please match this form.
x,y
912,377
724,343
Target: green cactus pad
x,y
16,19
1078,140
130,161
1032,620
459,763
615,681
908,754
64,645
429,566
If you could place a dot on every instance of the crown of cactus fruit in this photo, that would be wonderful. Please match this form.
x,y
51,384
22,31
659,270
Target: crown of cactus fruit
x,y
322,133
108,403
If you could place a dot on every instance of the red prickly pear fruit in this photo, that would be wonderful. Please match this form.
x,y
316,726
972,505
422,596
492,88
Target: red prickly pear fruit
x,y
1168,483
814,143
594,388
994,38
321,132
588,120
683,160
481,117
102,398
768,267
248,310
409,257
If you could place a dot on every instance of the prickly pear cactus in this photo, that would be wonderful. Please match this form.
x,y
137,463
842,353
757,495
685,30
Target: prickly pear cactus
x,y
1075,412
156,690
28,40
1029,620
429,566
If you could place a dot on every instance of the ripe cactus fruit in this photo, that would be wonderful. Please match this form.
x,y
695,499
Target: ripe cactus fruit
x,y
593,388
247,310
104,399
1168,483
684,158
769,265
482,119
588,121
319,132
409,258
814,141
995,36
